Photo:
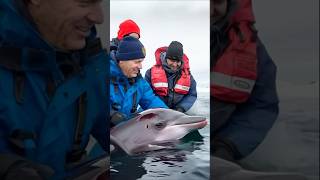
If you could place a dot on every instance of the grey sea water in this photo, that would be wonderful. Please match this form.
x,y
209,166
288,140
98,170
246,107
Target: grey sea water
x,y
292,145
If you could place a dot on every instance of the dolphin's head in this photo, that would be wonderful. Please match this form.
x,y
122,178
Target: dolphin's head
x,y
153,128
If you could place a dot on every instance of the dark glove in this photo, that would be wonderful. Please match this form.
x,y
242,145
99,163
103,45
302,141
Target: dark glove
x,y
180,109
21,169
224,149
117,117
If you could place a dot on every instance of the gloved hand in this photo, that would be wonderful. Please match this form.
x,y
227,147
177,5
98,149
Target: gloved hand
x,y
117,117
24,169
180,109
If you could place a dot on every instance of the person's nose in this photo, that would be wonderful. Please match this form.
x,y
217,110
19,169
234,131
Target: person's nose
x,y
140,65
96,15
174,63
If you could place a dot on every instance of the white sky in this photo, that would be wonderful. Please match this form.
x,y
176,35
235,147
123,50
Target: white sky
x,y
161,22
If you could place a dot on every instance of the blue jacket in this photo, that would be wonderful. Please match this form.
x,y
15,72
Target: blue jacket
x,y
52,119
175,100
121,100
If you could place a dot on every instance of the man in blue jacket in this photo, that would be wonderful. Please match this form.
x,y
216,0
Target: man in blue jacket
x,y
170,78
243,88
52,86
127,87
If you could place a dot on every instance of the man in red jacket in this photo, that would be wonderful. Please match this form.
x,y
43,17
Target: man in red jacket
x,y
171,79
244,100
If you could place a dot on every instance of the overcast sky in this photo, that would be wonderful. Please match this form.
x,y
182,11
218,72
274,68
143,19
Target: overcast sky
x,y
288,28
164,21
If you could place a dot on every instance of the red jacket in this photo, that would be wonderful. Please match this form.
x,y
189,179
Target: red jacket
x,y
235,72
159,79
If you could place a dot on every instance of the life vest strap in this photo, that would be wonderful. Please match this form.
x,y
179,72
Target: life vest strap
x,y
181,87
160,84
232,82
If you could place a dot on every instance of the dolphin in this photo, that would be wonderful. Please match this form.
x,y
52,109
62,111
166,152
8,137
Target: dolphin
x,y
153,129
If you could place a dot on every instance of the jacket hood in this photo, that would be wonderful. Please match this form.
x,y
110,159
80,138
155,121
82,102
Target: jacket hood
x,y
115,69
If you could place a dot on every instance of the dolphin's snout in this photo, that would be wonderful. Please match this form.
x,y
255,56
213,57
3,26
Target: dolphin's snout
x,y
189,120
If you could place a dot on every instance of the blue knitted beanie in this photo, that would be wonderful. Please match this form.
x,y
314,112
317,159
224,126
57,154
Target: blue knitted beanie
x,y
130,48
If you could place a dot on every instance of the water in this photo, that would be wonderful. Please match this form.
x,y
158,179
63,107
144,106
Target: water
x,y
189,160
292,145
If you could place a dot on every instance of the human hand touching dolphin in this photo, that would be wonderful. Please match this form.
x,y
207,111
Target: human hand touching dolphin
x,y
153,128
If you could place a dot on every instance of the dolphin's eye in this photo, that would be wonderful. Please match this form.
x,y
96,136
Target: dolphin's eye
x,y
159,125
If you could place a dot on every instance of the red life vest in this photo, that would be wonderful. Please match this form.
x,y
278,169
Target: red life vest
x,y
235,72
159,79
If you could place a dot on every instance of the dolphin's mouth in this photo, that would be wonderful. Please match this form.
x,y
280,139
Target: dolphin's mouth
x,y
165,144
155,146
196,123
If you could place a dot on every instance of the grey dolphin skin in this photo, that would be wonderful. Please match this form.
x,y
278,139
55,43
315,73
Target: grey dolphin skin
x,y
225,170
153,128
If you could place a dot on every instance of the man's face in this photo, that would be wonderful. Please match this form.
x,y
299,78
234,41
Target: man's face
x,y
66,23
135,35
131,68
173,64
218,9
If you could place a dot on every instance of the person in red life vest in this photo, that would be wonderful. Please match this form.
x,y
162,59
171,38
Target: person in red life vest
x,y
170,77
126,28
244,101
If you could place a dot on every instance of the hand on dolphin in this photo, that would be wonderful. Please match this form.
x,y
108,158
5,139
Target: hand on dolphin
x,y
152,128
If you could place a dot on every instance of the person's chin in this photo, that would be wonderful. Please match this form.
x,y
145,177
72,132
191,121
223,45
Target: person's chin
x,y
76,44
133,75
